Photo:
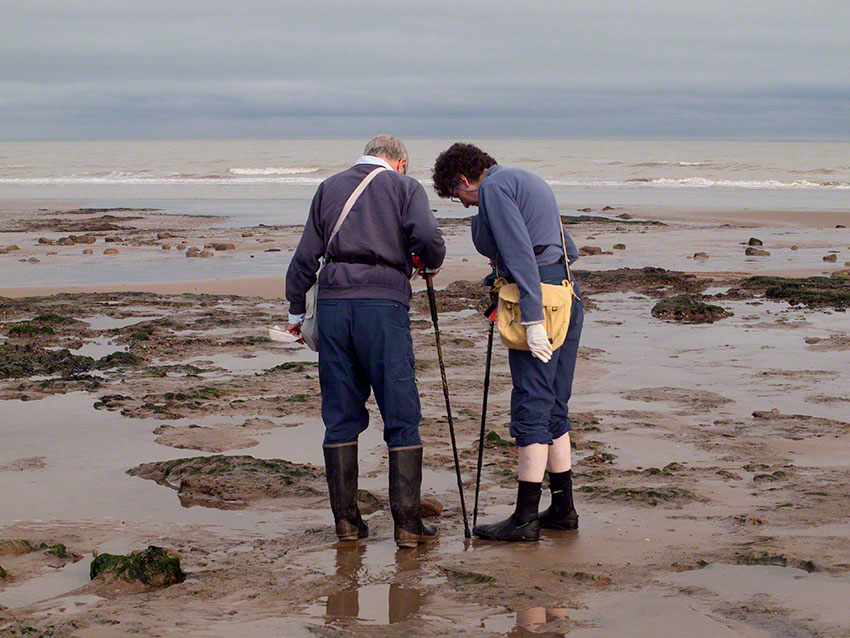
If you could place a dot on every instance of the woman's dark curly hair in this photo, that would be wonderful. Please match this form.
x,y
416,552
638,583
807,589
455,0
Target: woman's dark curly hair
x,y
459,159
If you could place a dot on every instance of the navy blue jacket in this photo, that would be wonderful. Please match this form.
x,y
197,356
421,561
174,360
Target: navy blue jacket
x,y
390,220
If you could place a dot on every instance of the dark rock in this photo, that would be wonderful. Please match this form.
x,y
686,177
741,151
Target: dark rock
x,y
606,208
231,482
756,252
584,210
112,239
619,246
701,255
430,507
840,226
154,567
45,240
164,235
64,241
755,242
110,251
624,216
225,247
688,309
83,239
368,503
831,257
590,250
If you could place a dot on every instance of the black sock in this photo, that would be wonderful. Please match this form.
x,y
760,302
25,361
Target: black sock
x,y
561,484
527,501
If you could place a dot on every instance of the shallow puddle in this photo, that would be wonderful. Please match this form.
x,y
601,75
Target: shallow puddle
x,y
105,322
809,596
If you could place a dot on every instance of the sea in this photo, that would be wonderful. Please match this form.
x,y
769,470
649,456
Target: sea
x,y
247,182
243,183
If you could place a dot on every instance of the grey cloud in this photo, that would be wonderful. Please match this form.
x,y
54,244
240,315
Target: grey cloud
x,y
261,69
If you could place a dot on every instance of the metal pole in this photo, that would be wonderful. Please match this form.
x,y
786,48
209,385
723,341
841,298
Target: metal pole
x,y
429,282
483,421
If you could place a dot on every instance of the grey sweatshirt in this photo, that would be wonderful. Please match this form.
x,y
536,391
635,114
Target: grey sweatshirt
x,y
518,212
390,220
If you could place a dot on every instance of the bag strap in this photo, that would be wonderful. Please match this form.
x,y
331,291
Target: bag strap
x,y
349,204
566,258
564,246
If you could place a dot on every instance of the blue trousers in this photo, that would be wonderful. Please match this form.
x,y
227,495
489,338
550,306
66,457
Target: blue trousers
x,y
541,391
364,346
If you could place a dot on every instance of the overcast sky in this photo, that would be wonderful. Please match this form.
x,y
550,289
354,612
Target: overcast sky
x,y
122,69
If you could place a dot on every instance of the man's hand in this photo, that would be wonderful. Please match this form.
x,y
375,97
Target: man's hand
x,y
294,329
538,342
417,263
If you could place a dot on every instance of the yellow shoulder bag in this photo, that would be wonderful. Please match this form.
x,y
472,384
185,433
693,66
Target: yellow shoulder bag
x,y
557,306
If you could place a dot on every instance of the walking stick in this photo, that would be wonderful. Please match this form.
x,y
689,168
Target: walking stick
x,y
483,416
432,301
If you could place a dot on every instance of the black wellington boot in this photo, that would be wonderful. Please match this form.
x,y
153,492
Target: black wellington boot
x,y
561,514
341,471
405,482
522,525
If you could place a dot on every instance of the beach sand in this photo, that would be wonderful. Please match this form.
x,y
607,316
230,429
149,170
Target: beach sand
x,y
711,466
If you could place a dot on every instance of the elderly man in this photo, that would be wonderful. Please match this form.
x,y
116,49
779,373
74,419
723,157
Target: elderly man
x,y
519,228
364,326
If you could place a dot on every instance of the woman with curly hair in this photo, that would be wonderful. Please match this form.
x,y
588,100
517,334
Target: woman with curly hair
x,y
519,228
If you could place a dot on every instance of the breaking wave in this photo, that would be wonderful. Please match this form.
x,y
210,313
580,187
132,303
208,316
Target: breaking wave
x,y
296,170
703,182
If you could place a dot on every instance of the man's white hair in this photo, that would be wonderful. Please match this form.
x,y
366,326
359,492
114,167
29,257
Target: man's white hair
x,y
388,146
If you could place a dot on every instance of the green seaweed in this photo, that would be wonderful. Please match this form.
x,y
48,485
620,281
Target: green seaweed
x,y
29,329
494,440
27,360
473,578
688,309
154,566
813,292
115,359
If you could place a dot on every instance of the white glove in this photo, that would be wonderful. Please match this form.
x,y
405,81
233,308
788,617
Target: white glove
x,y
538,342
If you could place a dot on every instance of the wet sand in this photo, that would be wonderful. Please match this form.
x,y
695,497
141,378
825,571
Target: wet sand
x,y
711,460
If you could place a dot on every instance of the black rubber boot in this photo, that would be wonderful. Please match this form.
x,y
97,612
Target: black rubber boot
x,y
561,514
341,471
405,483
522,525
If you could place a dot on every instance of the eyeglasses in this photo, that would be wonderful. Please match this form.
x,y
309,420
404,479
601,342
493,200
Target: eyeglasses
x,y
454,198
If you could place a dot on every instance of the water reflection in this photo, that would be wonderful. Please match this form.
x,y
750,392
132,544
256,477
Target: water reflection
x,y
378,603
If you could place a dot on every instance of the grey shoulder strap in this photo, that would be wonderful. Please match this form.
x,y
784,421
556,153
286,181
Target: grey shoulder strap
x,y
352,199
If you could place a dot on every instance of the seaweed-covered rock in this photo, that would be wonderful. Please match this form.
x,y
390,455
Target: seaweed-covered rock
x,y
29,329
814,292
755,242
154,567
232,482
28,360
3,572
116,359
20,546
688,309
655,282
756,252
